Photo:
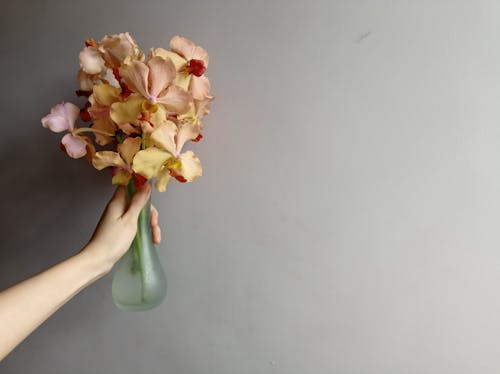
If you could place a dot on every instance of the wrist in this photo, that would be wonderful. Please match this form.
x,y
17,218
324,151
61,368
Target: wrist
x,y
93,260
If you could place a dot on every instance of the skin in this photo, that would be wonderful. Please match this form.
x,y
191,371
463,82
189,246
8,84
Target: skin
x,y
26,305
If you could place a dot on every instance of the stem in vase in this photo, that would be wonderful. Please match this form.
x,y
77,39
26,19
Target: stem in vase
x,y
138,243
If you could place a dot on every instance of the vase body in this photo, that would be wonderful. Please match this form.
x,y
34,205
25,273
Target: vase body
x,y
139,282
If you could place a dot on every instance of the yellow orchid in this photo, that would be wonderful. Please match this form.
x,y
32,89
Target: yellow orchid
x,y
136,114
163,158
121,161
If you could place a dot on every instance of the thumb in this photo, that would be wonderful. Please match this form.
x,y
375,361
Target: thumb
x,y
138,201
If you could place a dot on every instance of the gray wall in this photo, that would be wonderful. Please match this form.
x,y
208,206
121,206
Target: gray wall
x,y
347,219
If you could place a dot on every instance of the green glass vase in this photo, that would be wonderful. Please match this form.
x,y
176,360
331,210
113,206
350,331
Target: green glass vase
x,y
139,282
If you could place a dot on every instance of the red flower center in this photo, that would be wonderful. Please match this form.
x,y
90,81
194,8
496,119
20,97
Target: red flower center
x,y
196,67
125,90
198,138
139,180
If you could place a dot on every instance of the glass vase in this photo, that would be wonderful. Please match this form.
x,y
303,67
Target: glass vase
x,y
139,281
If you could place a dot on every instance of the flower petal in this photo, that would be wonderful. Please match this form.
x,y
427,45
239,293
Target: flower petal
x,y
178,61
122,177
202,107
127,111
105,94
104,124
86,81
199,87
183,80
129,129
62,117
129,148
75,146
161,73
175,99
90,148
187,131
103,159
164,137
191,166
118,47
108,77
159,117
146,127
187,49
135,74
162,179
91,61
148,162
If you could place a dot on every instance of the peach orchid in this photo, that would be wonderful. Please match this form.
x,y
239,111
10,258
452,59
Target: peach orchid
x,y
191,62
153,80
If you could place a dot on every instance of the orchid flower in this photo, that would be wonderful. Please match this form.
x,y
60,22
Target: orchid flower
x,y
163,159
154,81
61,118
197,110
121,160
136,113
191,62
99,61
117,48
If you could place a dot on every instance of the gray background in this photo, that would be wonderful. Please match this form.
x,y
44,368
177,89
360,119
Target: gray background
x,y
347,218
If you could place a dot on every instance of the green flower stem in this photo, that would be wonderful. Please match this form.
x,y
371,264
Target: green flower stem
x,y
143,233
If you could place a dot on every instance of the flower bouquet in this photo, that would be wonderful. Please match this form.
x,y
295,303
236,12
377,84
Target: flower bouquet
x,y
142,111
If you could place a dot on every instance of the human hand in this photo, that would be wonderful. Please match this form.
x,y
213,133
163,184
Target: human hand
x,y
118,225
155,226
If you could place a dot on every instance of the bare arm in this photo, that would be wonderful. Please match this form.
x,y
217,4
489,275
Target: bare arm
x,y
24,306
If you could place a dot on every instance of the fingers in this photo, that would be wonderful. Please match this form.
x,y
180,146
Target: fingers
x,y
154,215
118,202
156,234
155,228
138,201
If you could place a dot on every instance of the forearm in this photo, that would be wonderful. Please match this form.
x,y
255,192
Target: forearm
x,y
25,306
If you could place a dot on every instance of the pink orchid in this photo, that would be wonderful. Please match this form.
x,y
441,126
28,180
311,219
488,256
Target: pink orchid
x,y
61,118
